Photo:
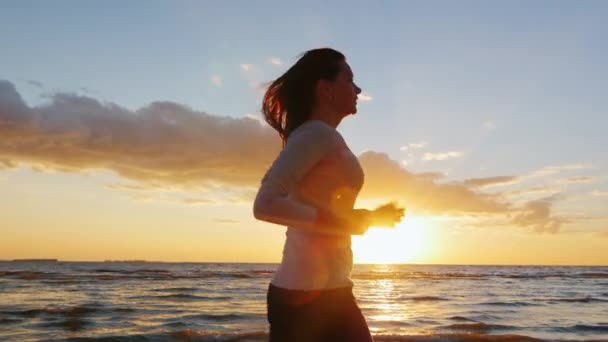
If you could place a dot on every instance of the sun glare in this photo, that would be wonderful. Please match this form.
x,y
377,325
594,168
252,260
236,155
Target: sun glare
x,y
405,243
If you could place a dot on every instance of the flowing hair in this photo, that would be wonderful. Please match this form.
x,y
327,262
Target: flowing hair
x,y
289,100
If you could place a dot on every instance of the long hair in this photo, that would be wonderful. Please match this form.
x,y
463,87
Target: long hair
x,y
289,100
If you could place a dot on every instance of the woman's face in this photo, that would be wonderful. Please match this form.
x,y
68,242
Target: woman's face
x,y
343,94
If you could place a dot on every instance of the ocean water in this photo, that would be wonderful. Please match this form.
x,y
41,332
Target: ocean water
x,y
148,301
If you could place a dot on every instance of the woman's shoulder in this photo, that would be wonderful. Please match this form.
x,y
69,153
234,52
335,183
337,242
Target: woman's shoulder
x,y
314,129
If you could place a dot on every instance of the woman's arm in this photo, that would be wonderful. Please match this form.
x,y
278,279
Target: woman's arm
x,y
304,149
354,222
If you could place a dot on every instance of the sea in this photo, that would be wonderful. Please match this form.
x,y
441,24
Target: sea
x,y
160,301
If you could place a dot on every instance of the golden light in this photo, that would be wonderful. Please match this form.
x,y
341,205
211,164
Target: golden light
x,y
407,242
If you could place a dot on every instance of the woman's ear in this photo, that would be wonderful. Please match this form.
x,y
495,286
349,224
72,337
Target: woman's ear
x,y
325,90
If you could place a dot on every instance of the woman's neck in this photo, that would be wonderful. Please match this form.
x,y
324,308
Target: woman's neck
x,y
326,116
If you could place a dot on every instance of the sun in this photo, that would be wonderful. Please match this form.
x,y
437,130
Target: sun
x,y
407,242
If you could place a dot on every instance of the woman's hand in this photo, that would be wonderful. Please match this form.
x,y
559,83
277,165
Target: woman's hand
x,y
387,215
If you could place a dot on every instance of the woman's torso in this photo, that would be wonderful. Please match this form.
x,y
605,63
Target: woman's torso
x,y
313,260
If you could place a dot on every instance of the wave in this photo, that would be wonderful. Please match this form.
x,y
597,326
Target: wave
x,y
70,324
456,337
587,299
592,328
478,326
518,303
181,297
462,319
470,276
426,298
65,311
77,310
141,270
7,320
259,336
178,289
584,328
28,275
593,275
219,317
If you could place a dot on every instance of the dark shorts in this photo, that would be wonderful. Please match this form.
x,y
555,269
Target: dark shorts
x,y
315,316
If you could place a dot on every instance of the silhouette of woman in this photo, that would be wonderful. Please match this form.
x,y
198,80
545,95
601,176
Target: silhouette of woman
x,y
311,188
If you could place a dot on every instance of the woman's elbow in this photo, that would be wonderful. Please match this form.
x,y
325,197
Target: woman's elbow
x,y
260,209
257,212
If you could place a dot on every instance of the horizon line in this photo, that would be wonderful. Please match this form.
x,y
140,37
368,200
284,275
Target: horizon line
x,y
278,262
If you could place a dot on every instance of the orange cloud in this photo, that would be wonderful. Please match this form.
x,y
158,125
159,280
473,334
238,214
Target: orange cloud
x,y
490,181
385,178
537,214
543,189
162,144
167,145
576,180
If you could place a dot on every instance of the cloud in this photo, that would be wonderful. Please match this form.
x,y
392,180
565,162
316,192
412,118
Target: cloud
x,y
576,180
160,145
598,193
275,61
141,198
256,117
165,145
442,155
127,187
432,176
537,214
217,81
8,164
194,201
88,91
543,189
555,169
490,181
223,220
364,97
489,125
246,67
385,178
35,83
412,146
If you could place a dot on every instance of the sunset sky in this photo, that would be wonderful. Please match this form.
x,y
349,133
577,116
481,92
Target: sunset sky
x,y
132,130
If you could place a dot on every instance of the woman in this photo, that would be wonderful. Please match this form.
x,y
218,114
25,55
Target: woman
x,y
311,188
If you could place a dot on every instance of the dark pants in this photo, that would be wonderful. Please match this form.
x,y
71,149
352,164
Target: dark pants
x,y
315,316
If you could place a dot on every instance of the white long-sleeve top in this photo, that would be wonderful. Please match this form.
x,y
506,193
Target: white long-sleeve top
x,y
315,169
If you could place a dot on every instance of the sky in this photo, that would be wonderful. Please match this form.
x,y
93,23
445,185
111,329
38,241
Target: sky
x,y
132,130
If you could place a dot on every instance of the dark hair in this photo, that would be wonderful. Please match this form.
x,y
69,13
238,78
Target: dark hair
x,y
289,100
